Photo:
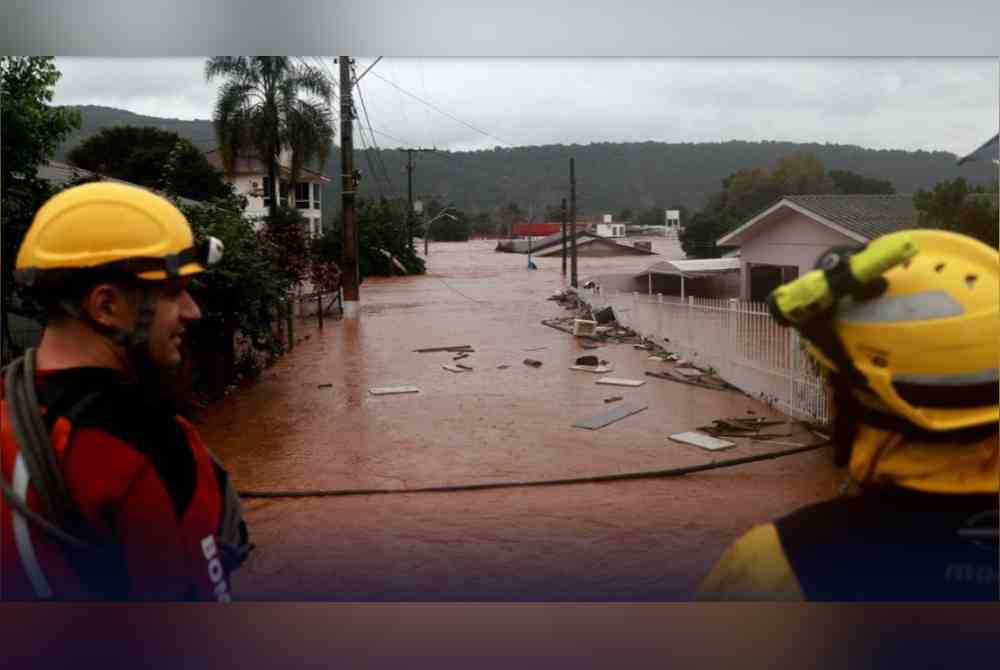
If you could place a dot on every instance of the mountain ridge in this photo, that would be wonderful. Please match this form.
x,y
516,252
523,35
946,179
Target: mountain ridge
x,y
611,176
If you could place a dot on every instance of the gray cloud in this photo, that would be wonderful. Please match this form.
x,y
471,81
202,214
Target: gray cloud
x,y
949,104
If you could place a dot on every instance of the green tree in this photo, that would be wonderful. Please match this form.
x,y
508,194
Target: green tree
x,y
746,193
705,227
286,239
261,111
31,131
509,215
952,205
482,224
138,155
553,213
381,234
801,172
847,182
242,293
447,229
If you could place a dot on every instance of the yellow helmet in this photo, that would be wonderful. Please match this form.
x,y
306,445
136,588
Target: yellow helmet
x,y
927,347
107,225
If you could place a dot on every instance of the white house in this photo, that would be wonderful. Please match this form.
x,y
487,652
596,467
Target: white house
x,y
785,240
251,180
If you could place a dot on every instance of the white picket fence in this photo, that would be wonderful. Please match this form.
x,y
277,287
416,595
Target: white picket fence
x,y
737,339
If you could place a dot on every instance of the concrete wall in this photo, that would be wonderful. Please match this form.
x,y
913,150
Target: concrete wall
x,y
794,241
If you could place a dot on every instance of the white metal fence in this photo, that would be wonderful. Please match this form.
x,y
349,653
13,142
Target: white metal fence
x,y
737,339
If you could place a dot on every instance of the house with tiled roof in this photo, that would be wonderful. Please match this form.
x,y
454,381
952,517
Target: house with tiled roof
x,y
250,179
784,241
62,174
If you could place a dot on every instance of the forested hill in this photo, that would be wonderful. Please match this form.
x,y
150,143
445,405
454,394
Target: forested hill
x,y
610,176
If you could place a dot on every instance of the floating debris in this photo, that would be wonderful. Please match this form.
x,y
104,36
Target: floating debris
x,y
615,381
602,420
703,441
392,390
456,349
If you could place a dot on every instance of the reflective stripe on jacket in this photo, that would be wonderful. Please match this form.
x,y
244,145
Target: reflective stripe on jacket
x,y
145,487
920,529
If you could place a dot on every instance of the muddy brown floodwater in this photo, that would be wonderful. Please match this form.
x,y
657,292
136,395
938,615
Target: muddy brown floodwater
x,y
628,540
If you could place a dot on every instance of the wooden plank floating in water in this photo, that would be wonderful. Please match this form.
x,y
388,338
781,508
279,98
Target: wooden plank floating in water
x,y
452,368
702,440
456,349
392,390
614,381
602,420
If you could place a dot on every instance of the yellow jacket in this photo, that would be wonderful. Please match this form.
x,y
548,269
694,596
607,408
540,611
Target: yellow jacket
x,y
755,567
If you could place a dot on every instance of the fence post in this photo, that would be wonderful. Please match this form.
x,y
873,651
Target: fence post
x,y
659,319
691,329
733,324
793,369
319,305
635,312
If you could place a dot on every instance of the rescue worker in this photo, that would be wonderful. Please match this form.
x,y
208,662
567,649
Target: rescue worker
x,y
108,495
916,409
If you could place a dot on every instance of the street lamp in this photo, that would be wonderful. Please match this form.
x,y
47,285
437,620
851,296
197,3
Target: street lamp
x,y
427,228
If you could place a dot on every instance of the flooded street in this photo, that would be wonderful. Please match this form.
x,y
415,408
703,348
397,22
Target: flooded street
x,y
629,540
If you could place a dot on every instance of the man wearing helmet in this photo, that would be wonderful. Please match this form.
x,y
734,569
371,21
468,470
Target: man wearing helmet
x,y
107,494
912,362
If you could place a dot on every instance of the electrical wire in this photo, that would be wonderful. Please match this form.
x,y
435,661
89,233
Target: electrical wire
x,y
439,110
371,132
367,153
391,137
378,151
648,474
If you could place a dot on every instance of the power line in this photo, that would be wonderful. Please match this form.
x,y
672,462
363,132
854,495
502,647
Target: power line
x,y
364,109
391,137
378,156
367,152
361,76
439,110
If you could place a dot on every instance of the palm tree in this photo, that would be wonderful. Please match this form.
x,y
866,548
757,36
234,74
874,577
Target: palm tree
x,y
261,111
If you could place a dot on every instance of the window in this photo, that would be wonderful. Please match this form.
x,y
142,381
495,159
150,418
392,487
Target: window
x,y
283,192
316,198
302,195
267,191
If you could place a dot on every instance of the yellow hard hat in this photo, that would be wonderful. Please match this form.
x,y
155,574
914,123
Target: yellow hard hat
x,y
928,346
113,226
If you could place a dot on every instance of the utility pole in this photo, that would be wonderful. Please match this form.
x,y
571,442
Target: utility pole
x,y
572,220
351,280
564,236
409,190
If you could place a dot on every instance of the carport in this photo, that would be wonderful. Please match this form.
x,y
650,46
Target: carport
x,y
691,269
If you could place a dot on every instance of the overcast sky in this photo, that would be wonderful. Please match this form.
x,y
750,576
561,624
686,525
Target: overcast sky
x,y
929,104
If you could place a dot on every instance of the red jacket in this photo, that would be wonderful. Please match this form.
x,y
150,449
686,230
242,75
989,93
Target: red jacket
x,y
146,488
